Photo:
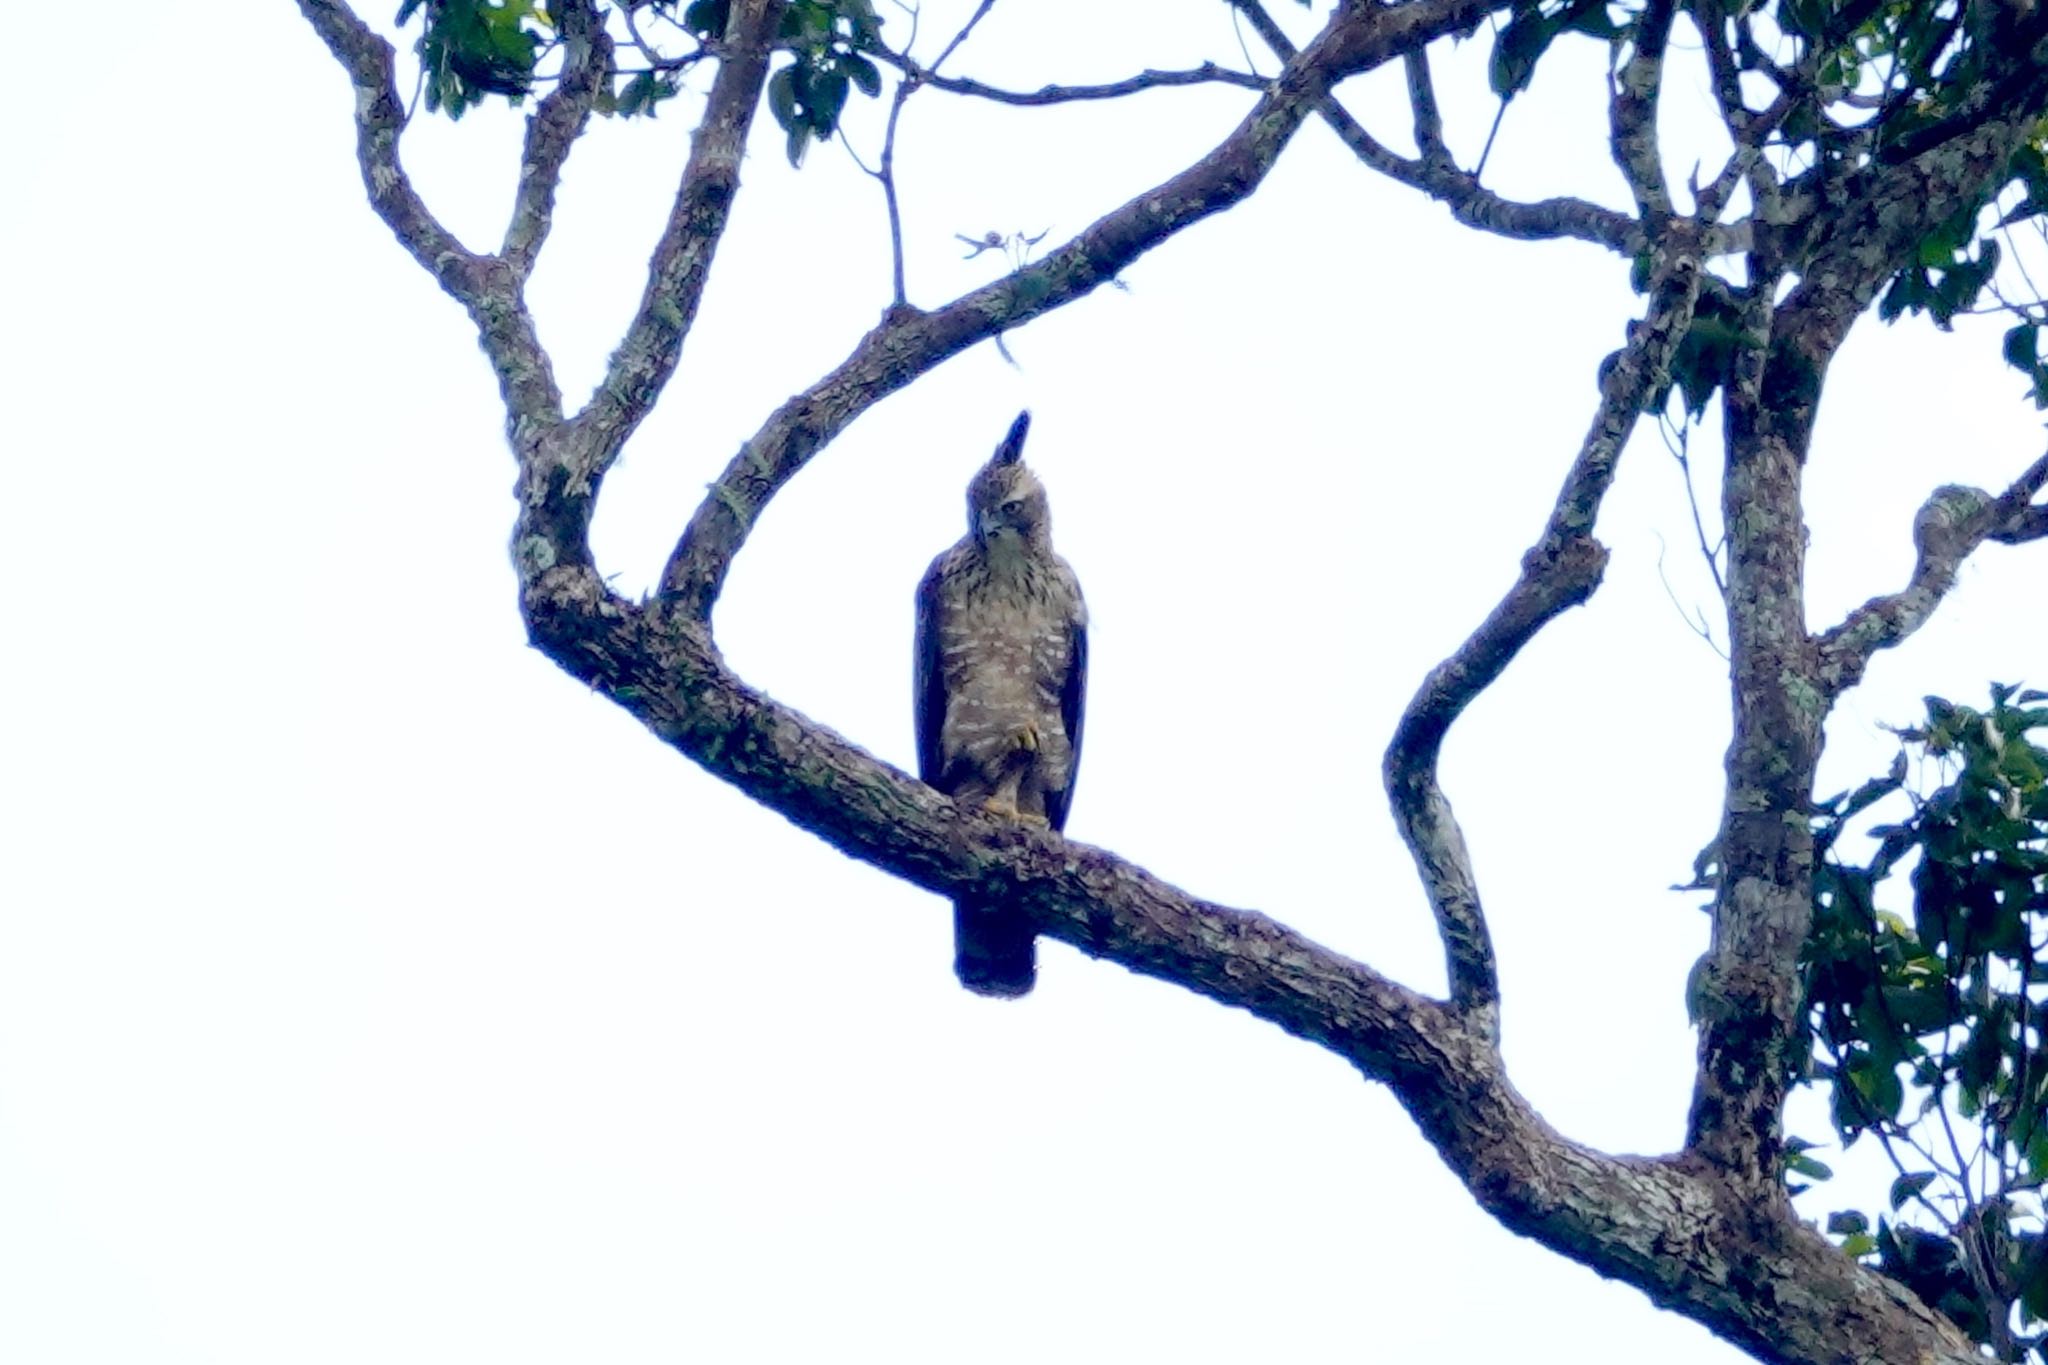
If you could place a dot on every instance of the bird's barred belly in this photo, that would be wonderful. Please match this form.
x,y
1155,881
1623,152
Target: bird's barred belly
x,y
998,705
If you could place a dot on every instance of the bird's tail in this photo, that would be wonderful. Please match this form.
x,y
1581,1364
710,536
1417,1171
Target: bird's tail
x,y
993,951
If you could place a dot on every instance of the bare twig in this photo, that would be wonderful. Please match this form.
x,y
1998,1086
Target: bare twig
x,y
886,174
913,78
1208,73
980,13
1695,619
1710,553
656,59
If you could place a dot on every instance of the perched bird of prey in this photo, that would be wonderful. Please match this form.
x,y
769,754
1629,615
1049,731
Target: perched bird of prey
x,y
1002,661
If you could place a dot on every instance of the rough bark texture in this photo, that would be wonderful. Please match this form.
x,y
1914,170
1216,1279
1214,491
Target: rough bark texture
x,y
1706,1231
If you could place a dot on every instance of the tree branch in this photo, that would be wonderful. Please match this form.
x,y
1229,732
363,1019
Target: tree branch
x,y
1632,116
557,121
1748,130
1438,177
380,120
1429,120
1668,1226
908,342
966,31
1560,571
1747,995
490,292
1951,524
1688,1230
1208,73
653,345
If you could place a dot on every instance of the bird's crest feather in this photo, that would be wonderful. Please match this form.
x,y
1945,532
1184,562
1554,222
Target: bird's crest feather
x,y
1012,448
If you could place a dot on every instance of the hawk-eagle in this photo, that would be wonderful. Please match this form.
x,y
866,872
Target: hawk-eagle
x,y
1002,662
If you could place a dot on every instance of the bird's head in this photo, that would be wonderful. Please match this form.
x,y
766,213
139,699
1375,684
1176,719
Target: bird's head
x,y
1006,503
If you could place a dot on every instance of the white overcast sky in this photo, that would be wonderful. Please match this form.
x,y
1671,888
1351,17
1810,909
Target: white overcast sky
x,y
370,991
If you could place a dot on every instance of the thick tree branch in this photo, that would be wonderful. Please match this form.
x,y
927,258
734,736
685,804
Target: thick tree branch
x,y
1952,523
552,129
1747,995
1701,1232
1668,1226
1632,115
1437,176
665,670
1560,571
681,265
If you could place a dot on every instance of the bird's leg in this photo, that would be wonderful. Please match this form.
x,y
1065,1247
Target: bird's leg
x,y
1004,801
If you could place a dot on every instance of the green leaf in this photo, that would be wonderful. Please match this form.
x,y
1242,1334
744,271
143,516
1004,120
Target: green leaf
x,y
826,98
1517,50
1801,1164
2023,347
1907,1187
864,74
782,98
1876,1082
707,18
638,93
1802,18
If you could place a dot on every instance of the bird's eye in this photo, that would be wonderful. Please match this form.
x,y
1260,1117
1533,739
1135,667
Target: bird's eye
x,y
1012,504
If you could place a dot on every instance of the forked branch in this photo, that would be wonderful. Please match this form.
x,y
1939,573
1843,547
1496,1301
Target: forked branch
x,y
1436,175
480,283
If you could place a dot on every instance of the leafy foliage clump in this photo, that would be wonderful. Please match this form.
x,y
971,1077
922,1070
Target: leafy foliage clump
x,y
470,50
1929,1030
